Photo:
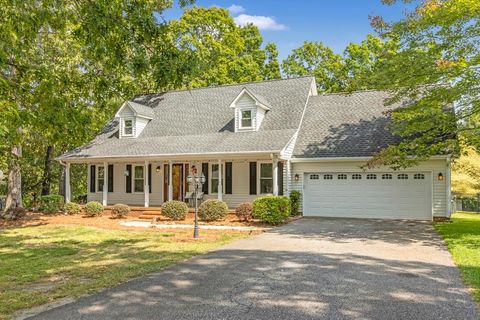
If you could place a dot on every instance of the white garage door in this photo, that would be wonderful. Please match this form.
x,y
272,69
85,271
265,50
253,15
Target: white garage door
x,y
368,195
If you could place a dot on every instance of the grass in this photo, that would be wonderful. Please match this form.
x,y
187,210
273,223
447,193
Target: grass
x,y
44,263
462,236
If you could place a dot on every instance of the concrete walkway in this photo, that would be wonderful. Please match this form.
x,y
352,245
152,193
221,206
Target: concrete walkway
x,y
309,269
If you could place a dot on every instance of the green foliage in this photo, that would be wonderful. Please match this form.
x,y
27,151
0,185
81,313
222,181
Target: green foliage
x,y
51,204
175,210
437,65
212,209
271,209
93,209
72,208
466,173
295,200
244,211
120,210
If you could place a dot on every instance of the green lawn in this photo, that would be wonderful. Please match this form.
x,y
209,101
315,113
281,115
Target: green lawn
x,y
43,263
463,240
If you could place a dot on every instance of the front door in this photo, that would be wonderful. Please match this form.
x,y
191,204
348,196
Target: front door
x,y
178,181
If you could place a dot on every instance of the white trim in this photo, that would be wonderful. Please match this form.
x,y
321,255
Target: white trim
x,y
123,134
97,170
105,184
133,178
448,186
240,118
275,175
257,103
210,175
146,187
335,159
127,104
68,194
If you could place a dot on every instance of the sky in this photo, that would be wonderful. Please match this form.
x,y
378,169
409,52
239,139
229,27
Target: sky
x,y
288,23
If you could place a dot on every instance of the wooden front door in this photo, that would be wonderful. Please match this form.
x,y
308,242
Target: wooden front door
x,y
179,183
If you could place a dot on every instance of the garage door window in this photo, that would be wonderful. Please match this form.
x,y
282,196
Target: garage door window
x,y
418,176
356,176
402,176
386,176
328,176
371,176
314,177
342,177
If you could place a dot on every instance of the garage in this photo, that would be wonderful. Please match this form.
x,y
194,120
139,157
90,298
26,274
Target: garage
x,y
380,195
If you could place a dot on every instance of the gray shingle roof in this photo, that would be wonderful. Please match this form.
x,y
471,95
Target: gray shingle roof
x,y
141,109
340,125
200,121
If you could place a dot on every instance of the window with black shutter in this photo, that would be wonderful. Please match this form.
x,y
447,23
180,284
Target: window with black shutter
x,y
92,179
253,178
150,178
128,179
110,178
280,178
228,178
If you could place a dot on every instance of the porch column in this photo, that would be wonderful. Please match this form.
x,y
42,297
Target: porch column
x,y
275,175
170,186
289,178
220,184
67,183
105,184
146,188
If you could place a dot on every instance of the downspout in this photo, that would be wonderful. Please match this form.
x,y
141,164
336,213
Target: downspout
x,y
448,186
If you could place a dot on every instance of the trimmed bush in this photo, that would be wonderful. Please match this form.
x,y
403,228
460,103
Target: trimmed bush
x,y
52,203
72,208
271,209
212,209
120,210
244,211
175,210
93,208
295,198
13,213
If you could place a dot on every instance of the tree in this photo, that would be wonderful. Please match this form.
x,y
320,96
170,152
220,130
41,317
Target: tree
x,y
272,67
466,173
437,72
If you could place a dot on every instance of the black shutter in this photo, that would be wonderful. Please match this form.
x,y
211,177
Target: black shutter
x,y
128,179
150,178
92,179
228,178
205,173
110,178
253,178
280,178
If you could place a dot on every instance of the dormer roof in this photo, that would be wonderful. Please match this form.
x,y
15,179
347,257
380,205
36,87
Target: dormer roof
x,y
139,110
260,101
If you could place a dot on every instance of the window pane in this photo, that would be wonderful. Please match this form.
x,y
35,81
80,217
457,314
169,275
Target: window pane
x,y
214,171
100,184
139,185
214,185
266,186
127,126
246,123
138,172
101,172
266,170
247,114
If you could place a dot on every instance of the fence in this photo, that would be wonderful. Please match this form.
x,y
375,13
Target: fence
x,y
467,204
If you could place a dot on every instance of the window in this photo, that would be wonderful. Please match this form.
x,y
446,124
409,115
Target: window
x,y
402,176
386,176
266,178
356,176
419,176
127,127
342,177
214,178
371,176
328,176
138,180
314,177
100,178
246,118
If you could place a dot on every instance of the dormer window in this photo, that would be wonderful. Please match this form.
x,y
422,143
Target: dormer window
x,y
128,127
246,119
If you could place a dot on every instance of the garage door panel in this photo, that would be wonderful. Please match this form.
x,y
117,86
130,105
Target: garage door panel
x,y
368,198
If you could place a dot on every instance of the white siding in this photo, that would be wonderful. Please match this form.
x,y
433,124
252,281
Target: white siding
x,y
439,192
140,124
259,117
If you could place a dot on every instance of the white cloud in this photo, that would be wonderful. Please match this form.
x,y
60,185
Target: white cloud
x,y
236,9
262,22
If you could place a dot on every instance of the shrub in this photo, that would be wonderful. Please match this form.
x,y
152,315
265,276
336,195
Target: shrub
x,y
212,209
13,213
120,210
244,211
175,210
93,208
72,208
271,209
51,204
295,198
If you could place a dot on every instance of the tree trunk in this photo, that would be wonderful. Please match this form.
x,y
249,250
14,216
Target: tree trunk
x,y
47,171
14,193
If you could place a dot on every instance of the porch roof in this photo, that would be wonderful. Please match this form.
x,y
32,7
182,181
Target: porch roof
x,y
224,142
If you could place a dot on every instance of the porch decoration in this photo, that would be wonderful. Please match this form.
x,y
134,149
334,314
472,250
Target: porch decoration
x,y
196,181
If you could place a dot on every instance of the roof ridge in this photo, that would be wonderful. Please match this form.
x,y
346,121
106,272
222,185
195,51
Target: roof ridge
x,y
350,92
221,86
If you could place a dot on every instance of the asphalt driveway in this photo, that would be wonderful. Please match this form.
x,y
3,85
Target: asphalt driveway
x,y
309,269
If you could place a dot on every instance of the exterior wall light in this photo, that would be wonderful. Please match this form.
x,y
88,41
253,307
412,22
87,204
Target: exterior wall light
x,y
158,169
440,176
297,177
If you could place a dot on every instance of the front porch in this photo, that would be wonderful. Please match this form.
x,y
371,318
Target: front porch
x,y
149,183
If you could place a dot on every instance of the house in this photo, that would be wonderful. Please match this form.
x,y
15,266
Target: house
x,y
259,138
